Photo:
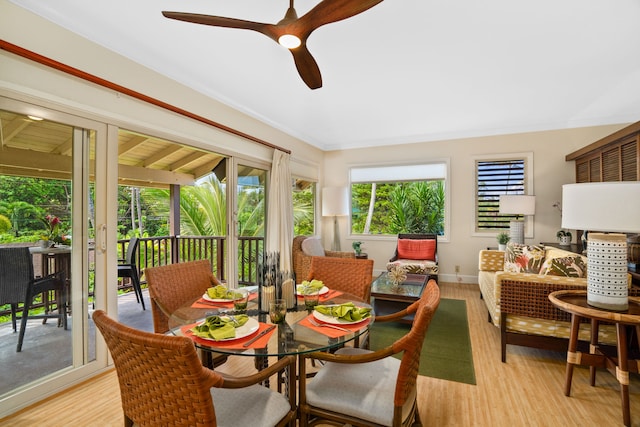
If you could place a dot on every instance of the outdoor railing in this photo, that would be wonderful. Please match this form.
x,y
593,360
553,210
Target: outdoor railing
x,y
163,250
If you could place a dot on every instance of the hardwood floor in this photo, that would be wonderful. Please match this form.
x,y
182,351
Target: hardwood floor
x,y
525,391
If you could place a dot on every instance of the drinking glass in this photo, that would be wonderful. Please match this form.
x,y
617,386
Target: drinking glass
x,y
241,300
278,311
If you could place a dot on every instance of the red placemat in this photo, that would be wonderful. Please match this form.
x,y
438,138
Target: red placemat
x,y
332,332
239,343
203,303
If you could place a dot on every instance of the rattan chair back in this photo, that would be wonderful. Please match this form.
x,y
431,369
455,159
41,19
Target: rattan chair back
x,y
349,275
162,381
410,345
173,285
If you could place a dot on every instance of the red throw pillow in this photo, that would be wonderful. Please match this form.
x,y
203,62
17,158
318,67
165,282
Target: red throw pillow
x,y
417,249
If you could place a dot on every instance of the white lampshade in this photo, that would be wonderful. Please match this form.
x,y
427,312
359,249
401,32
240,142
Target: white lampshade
x,y
518,205
602,206
607,207
335,201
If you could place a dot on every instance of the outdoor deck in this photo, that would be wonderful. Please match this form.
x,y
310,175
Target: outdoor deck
x,y
47,348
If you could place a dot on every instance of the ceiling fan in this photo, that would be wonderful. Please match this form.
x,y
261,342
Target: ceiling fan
x,y
291,32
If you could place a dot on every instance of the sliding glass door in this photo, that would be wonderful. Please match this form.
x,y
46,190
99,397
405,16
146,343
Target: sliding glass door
x,y
49,202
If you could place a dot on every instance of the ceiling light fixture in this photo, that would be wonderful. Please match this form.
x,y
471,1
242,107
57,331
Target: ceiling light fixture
x,y
36,118
289,41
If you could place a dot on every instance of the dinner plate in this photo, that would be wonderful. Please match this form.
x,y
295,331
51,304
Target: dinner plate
x,y
243,331
323,290
206,296
336,321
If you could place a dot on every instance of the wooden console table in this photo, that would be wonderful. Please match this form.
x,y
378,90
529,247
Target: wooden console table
x,y
575,302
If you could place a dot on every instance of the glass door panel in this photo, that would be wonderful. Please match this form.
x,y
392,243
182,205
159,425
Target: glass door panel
x,y
250,220
45,170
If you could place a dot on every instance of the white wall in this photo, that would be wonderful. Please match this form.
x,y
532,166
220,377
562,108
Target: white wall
x,y
550,171
29,81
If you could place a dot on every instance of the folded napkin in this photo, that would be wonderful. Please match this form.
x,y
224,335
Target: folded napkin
x,y
307,287
220,327
222,292
346,311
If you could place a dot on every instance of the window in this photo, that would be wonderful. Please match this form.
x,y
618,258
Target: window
x,y
494,178
399,199
303,207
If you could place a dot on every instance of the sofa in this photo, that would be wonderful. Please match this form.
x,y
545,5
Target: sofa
x,y
517,300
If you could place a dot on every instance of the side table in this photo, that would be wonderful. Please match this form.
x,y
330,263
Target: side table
x,y
388,297
575,302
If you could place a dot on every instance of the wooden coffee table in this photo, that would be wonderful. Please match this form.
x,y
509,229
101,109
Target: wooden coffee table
x,y
388,298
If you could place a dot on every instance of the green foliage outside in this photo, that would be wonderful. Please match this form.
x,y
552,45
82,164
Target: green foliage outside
x,y
408,207
25,202
303,224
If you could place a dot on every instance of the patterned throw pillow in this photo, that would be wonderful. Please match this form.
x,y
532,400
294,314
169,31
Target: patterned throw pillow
x,y
569,266
519,258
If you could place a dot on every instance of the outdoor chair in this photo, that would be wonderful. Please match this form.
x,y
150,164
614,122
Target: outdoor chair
x,y
366,388
163,383
349,275
173,285
306,247
417,254
127,267
18,284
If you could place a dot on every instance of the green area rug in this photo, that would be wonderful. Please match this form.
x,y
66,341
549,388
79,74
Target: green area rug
x,y
446,352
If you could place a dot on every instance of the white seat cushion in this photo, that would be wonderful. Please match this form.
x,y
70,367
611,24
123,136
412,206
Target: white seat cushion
x,y
363,390
255,406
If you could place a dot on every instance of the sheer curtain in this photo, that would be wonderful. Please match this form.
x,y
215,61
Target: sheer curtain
x,y
280,210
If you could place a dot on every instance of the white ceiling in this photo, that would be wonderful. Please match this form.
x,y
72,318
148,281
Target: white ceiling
x,y
403,71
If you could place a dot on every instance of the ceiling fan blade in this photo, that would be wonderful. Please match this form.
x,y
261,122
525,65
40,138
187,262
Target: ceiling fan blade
x,y
329,11
307,67
221,21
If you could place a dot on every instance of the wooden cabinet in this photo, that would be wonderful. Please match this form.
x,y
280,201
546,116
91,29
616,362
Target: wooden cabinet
x,y
612,158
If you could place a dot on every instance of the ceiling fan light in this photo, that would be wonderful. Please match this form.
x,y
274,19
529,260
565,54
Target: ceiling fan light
x,y
289,41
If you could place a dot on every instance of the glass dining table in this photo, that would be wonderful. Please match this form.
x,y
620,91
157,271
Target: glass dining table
x,y
296,335
302,332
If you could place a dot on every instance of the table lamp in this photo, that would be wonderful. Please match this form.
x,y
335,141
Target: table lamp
x,y
518,205
335,203
604,209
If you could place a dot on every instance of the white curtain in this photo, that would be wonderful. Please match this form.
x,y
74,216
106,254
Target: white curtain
x,y
280,210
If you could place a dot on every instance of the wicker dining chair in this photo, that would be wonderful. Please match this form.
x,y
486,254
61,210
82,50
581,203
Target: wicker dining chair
x,y
173,285
337,392
18,284
349,275
163,383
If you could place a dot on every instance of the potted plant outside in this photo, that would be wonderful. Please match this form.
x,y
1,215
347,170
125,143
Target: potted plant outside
x,y
503,238
564,237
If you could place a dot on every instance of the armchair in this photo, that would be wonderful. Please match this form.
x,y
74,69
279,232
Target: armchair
x,y
417,253
163,383
302,253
